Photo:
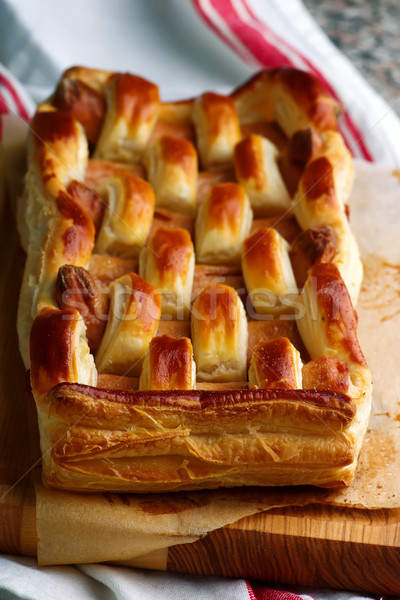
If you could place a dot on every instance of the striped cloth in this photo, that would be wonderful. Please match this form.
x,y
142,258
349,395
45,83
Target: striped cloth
x,y
13,98
20,578
369,126
258,44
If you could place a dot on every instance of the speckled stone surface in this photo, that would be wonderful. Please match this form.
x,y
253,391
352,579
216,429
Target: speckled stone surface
x,y
368,33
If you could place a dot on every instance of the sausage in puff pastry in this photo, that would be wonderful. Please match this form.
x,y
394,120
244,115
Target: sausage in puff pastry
x,y
211,338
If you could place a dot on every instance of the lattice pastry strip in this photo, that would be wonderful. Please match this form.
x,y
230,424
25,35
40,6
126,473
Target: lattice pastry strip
x,y
256,168
170,357
223,221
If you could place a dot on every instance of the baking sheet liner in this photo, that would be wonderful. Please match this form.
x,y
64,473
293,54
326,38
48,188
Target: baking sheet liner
x,y
74,528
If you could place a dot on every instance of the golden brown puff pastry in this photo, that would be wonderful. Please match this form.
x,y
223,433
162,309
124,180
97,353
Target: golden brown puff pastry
x,y
303,146
257,170
168,365
266,330
317,204
89,201
267,271
167,262
328,326
56,229
128,215
219,334
59,350
294,99
222,433
312,245
276,365
96,79
178,112
105,268
326,373
172,168
133,105
223,221
98,171
135,310
84,102
217,129
333,147
171,440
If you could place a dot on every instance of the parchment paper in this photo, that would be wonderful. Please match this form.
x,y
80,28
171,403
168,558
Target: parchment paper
x,y
75,528
375,220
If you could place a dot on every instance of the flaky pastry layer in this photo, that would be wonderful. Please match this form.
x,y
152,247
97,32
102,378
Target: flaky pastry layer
x,y
159,441
273,149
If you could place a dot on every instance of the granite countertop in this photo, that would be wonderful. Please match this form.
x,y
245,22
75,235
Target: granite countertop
x,y
368,33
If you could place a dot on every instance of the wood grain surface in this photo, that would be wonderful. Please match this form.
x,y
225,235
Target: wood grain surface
x,y
315,545
325,546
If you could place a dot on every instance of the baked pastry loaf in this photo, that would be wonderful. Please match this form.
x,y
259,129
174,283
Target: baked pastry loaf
x,y
187,308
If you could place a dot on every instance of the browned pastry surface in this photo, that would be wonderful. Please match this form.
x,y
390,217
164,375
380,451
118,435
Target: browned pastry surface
x,y
275,365
190,285
169,364
162,439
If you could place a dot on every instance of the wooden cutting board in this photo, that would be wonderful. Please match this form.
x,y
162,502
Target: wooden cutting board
x,y
321,546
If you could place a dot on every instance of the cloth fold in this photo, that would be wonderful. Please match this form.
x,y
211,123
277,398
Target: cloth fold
x,y
186,48
20,577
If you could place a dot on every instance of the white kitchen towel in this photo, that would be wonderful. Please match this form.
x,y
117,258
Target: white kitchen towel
x,y
21,578
186,47
276,33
